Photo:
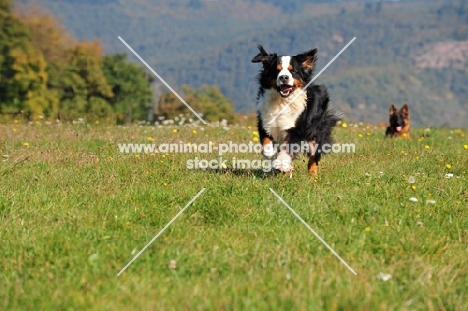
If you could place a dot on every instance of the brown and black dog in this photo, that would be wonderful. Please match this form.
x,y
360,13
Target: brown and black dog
x,y
399,122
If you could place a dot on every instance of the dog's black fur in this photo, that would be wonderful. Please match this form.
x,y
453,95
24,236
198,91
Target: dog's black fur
x,y
315,123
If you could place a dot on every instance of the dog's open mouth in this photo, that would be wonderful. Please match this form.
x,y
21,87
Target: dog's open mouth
x,y
398,128
285,90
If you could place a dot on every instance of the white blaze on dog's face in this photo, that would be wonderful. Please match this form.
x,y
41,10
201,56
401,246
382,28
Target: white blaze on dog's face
x,y
285,74
294,72
285,79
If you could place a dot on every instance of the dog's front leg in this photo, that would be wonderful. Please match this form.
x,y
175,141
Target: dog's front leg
x,y
283,161
268,148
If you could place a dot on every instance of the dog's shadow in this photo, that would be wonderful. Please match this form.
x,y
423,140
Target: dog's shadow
x,y
258,173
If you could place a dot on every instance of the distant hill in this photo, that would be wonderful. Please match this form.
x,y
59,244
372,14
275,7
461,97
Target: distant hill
x,y
408,51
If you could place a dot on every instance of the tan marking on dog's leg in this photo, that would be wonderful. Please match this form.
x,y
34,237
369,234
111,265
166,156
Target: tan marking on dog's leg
x,y
313,166
266,141
268,149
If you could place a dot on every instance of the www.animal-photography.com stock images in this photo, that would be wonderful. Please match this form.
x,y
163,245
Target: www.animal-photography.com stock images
x,y
234,155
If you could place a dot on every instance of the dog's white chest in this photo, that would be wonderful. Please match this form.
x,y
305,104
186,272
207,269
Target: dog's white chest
x,y
276,123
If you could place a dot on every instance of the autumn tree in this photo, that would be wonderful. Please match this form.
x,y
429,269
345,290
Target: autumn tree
x,y
23,76
75,69
170,106
85,88
50,37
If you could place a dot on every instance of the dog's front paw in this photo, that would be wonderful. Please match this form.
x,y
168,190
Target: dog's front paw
x,y
283,162
268,150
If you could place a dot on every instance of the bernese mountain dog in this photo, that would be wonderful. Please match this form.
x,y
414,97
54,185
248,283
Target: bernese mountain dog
x,y
289,116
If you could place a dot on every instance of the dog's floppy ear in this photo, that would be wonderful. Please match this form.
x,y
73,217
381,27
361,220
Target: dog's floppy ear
x,y
405,109
307,59
263,56
393,110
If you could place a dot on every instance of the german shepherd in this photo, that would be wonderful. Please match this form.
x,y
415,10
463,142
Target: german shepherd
x,y
399,122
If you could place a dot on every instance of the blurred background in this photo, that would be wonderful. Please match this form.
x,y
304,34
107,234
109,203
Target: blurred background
x,y
62,59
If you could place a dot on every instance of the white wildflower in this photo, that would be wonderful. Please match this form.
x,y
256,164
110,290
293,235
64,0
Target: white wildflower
x,y
172,264
384,276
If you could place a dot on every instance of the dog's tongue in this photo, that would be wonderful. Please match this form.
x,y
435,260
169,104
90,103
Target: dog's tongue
x,y
398,128
286,88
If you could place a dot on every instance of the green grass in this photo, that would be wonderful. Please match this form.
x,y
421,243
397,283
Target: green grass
x,y
74,211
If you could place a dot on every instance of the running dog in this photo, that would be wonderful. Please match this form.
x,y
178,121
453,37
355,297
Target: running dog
x,y
289,115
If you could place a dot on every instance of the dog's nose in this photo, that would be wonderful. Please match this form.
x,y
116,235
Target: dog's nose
x,y
284,79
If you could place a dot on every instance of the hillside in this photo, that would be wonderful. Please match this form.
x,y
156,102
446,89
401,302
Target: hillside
x,y
396,58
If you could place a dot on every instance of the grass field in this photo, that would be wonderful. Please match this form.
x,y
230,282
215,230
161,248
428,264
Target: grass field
x,y
74,211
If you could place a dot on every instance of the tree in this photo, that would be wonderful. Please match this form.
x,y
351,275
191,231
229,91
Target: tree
x,y
23,76
170,106
210,101
48,34
50,37
131,87
85,87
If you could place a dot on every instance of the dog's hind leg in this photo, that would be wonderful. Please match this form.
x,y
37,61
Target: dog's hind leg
x,y
313,166
313,161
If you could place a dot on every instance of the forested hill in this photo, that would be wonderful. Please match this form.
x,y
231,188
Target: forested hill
x,y
408,51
